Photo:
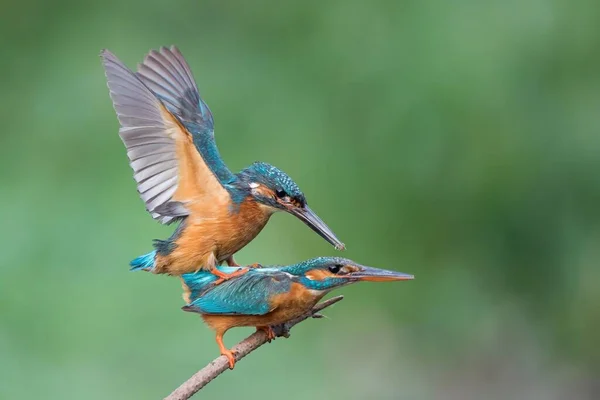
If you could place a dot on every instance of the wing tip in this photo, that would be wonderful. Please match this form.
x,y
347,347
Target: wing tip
x,y
107,55
172,49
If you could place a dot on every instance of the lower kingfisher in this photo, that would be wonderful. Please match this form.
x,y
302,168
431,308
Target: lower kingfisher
x,y
168,132
272,295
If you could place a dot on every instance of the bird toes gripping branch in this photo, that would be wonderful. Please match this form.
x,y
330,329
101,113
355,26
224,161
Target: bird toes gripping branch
x,y
268,331
226,352
230,357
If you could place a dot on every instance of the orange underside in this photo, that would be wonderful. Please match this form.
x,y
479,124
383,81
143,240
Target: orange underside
x,y
286,306
207,242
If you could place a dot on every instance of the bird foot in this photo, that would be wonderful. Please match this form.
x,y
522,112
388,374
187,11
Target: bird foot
x,y
269,331
225,351
230,357
225,277
282,330
255,265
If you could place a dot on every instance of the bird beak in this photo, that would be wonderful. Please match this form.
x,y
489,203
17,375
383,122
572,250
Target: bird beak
x,y
306,215
379,275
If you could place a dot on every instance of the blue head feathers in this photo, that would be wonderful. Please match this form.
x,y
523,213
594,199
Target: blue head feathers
x,y
268,184
273,188
326,273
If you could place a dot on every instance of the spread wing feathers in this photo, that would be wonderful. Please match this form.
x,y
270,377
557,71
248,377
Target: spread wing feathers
x,y
167,173
250,294
168,75
170,78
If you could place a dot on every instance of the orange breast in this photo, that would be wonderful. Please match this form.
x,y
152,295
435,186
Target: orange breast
x,y
240,228
212,234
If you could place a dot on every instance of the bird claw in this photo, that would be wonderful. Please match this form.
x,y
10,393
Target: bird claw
x,y
271,335
230,357
282,330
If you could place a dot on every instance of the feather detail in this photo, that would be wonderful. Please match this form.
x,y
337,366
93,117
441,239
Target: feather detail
x,y
167,159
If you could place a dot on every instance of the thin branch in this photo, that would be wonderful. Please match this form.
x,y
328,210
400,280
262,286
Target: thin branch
x,y
220,364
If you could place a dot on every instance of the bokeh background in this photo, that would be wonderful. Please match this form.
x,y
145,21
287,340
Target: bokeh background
x,y
457,141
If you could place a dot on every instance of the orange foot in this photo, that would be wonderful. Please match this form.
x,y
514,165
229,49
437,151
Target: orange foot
x,y
255,265
230,356
269,331
224,277
225,352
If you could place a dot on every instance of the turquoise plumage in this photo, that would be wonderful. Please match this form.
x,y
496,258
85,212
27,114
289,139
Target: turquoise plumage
x,y
168,131
248,295
267,296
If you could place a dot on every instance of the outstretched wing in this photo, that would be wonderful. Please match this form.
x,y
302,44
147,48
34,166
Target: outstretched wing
x,y
249,294
168,75
169,171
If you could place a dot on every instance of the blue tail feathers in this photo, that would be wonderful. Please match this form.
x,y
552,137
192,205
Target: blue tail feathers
x,y
145,262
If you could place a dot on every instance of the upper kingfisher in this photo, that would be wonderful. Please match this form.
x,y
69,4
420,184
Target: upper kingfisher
x,y
168,132
272,295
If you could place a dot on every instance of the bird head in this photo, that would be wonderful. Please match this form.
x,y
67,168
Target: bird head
x,y
276,191
327,273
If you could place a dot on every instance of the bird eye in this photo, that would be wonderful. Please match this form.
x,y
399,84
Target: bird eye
x,y
280,193
335,268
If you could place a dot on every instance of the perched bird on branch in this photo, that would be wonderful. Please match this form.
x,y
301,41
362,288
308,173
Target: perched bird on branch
x,y
168,132
269,296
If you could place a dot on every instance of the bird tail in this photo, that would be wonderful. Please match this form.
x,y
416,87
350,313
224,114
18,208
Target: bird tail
x,y
145,262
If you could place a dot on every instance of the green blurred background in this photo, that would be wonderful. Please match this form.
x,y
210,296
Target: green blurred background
x,y
457,141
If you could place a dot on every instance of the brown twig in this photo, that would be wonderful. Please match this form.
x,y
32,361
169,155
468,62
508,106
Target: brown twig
x,y
220,364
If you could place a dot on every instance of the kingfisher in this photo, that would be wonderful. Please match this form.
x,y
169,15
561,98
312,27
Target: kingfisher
x,y
272,295
168,131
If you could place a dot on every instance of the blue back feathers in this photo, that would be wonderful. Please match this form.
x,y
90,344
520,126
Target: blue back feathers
x,y
201,281
249,294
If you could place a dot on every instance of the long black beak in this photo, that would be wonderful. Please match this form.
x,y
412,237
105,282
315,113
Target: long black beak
x,y
379,275
306,215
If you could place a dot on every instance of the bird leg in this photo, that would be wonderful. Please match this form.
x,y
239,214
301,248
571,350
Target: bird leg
x,y
224,277
231,262
269,331
224,351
